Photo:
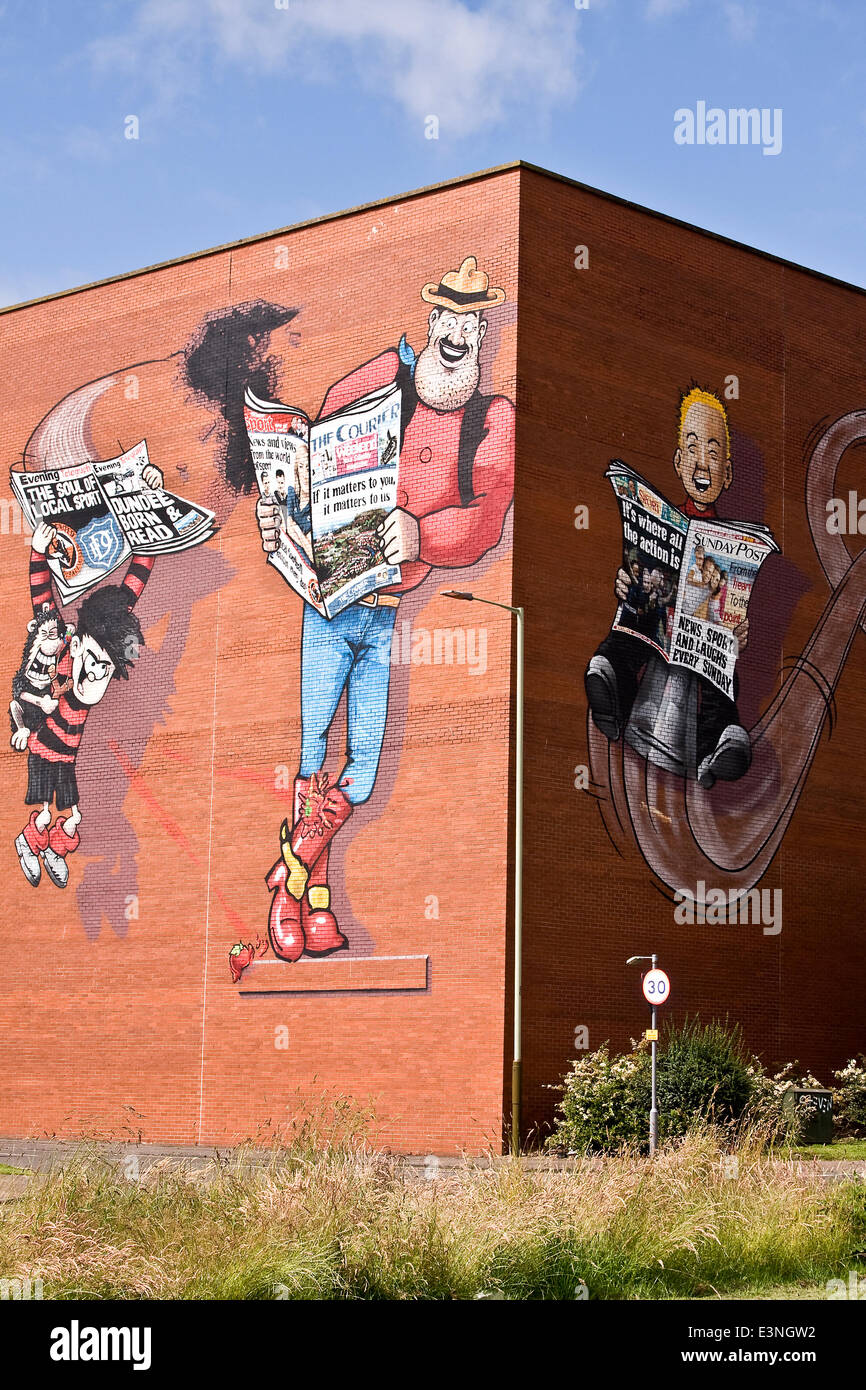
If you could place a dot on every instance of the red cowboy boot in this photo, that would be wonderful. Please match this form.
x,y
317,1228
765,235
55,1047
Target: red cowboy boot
x,y
324,811
285,928
284,922
321,933
60,844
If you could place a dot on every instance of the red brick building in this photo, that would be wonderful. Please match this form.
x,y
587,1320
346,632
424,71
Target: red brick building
x,y
536,329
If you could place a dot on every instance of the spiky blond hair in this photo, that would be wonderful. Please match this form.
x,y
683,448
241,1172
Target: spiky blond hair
x,y
697,394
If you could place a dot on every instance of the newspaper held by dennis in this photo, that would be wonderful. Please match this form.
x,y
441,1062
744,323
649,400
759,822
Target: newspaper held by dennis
x,y
334,481
690,579
103,512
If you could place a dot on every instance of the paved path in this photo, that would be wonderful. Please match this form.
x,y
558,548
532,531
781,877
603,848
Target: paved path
x,y
13,1185
41,1155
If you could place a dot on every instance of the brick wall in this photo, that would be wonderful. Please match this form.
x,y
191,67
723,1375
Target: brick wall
x,y
118,1012
604,353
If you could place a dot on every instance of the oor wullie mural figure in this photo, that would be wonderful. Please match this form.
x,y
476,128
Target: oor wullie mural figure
x,y
456,484
702,462
724,823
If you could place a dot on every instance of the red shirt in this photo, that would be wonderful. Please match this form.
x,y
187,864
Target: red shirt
x,y
58,738
451,535
690,509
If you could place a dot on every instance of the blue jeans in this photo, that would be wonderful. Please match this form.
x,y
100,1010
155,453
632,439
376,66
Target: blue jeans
x,y
351,651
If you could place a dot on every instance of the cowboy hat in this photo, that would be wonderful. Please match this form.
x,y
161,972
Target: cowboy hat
x,y
465,289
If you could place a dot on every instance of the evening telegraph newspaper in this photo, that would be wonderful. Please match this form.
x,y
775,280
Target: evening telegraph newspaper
x,y
103,512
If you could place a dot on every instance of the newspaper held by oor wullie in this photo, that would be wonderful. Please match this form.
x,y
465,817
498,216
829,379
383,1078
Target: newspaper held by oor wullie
x,y
103,512
690,579
334,481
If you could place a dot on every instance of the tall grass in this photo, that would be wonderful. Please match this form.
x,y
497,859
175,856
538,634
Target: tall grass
x,y
344,1224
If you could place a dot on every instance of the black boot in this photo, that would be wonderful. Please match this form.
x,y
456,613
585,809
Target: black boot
x,y
730,759
603,697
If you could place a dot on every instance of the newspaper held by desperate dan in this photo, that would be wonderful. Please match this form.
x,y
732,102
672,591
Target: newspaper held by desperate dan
x,y
690,579
334,482
103,512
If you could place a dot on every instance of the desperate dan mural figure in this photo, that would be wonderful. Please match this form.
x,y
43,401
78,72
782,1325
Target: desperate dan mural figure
x,y
454,488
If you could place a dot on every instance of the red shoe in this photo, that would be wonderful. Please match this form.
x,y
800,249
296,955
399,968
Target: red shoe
x,y
284,922
30,844
60,844
37,839
324,811
321,933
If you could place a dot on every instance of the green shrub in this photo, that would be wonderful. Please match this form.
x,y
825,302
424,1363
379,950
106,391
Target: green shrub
x,y
849,1101
766,1111
602,1102
704,1076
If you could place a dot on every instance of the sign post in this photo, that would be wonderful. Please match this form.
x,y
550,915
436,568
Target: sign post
x,y
656,989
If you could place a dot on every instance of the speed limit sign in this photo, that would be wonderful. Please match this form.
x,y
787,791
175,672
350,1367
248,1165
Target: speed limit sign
x,y
656,986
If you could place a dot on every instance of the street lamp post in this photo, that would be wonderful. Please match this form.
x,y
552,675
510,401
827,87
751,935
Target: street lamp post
x,y
517,1058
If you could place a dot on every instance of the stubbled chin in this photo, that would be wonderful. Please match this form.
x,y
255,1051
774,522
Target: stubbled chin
x,y
444,388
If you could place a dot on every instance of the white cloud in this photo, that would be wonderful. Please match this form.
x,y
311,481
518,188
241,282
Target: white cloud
x,y
468,66
742,20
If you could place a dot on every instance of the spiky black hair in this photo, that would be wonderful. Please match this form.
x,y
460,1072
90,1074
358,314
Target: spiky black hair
x,y
105,615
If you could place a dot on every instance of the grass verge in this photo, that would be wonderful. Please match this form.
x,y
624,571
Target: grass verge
x,y
840,1148
345,1225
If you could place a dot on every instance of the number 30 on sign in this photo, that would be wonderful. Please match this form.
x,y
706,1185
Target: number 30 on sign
x,y
656,986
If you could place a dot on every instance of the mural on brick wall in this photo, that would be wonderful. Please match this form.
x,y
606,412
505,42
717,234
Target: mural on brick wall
x,y
230,347
87,519
405,471
408,467
703,794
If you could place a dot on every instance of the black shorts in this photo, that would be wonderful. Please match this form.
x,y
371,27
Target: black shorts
x,y
46,780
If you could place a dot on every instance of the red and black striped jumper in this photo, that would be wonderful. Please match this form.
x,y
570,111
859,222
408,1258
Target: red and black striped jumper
x,y
53,747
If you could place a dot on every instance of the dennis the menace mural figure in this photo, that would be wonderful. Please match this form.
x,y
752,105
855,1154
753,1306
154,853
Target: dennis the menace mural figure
x,y
62,678
454,489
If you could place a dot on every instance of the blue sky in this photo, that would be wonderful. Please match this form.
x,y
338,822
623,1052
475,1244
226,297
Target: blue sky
x,y
253,114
